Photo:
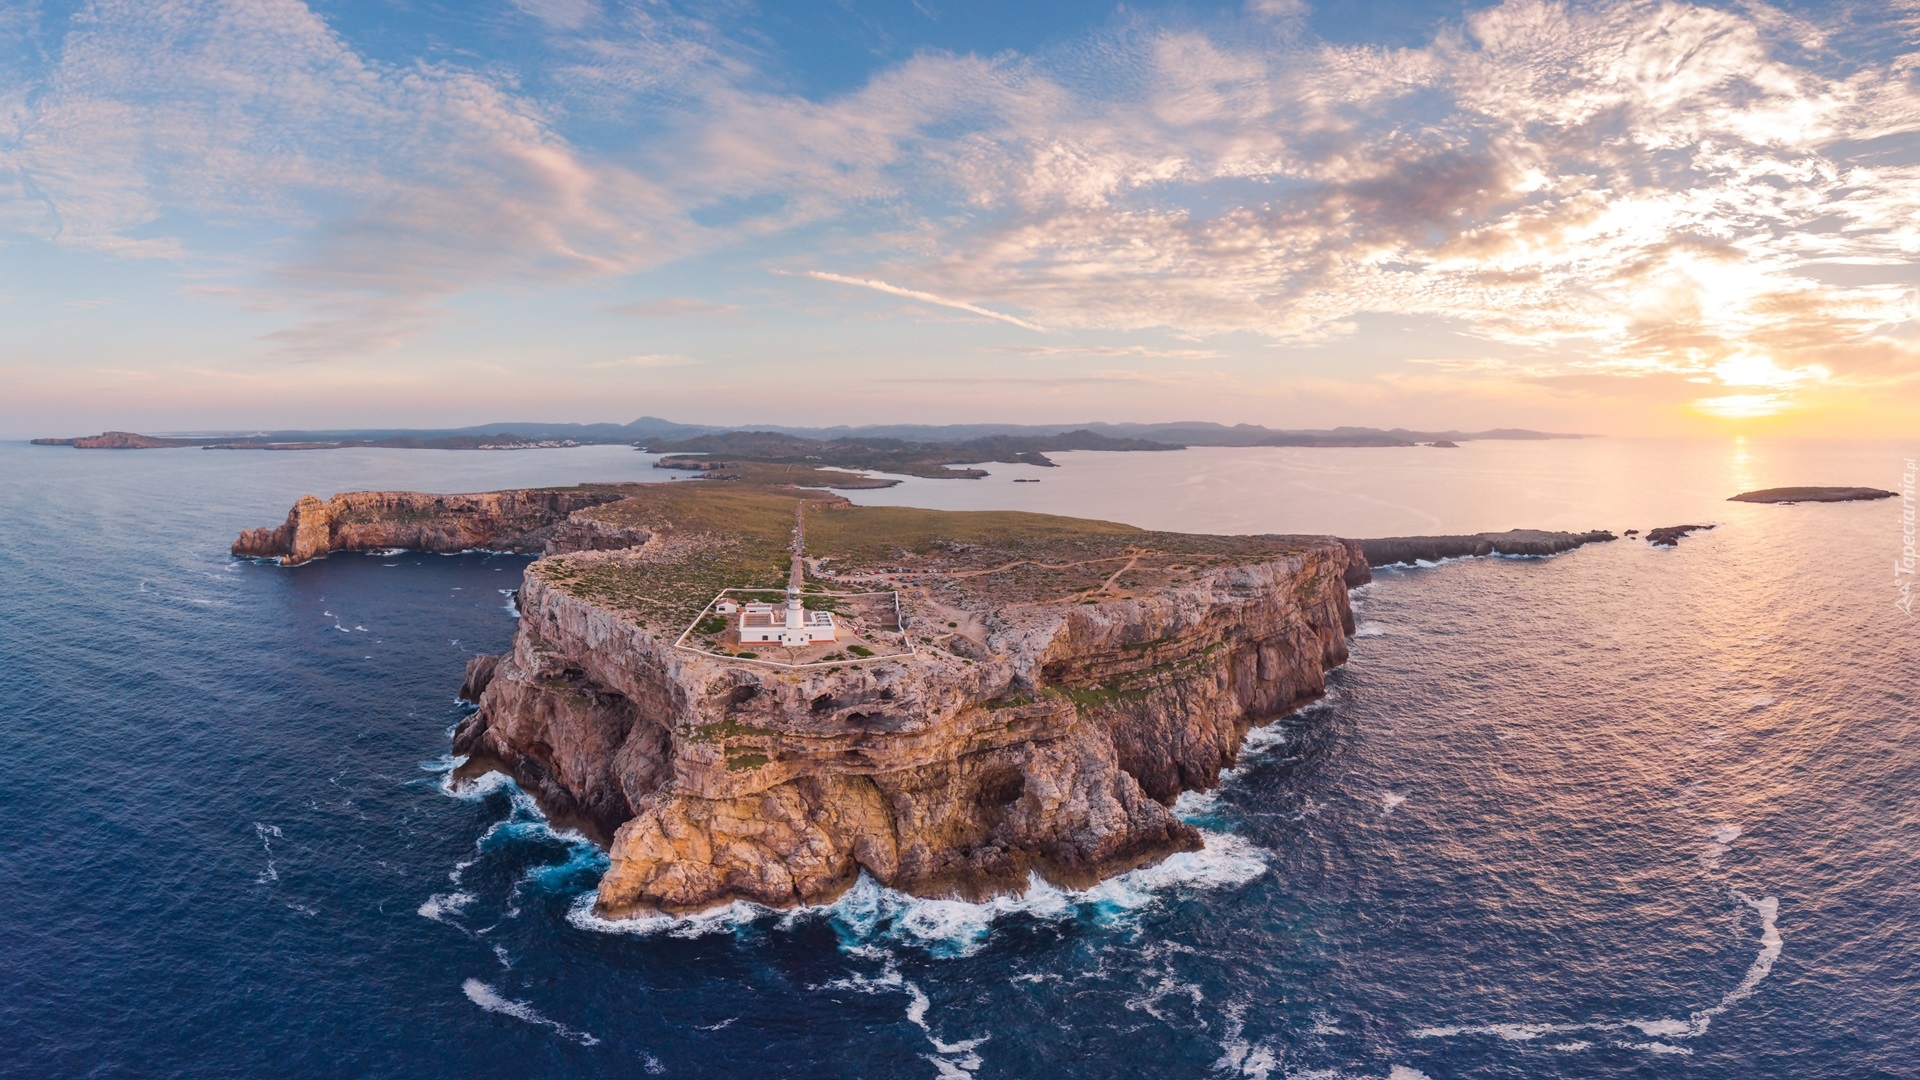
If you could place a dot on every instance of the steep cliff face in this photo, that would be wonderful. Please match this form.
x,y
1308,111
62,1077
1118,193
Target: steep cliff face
x,y
1055,745
525,521
1009,693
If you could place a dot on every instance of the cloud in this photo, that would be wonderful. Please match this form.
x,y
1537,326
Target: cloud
x,y
645,360
1612,189
367,192
923,297
560,14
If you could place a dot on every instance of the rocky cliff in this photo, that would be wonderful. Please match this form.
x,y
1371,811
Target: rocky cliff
x,y
1010,694
1058,749
529,521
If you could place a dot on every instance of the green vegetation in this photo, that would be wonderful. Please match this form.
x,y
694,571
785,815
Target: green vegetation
x,y
1085,698
725,730
860,650
713,537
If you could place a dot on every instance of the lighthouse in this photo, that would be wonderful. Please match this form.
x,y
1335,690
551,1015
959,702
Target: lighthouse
x,y
800,627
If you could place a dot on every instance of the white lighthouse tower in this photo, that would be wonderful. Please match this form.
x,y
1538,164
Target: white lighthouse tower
x,y
800,627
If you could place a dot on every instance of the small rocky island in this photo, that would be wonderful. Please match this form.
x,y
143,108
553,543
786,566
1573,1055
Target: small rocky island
x,y
752,691
1811,494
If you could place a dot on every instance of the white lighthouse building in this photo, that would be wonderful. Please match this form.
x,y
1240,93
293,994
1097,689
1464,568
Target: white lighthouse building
x,y
791,624
794,626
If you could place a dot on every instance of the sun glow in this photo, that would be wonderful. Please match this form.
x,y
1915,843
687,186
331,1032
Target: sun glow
x,y
1772,384
1743,406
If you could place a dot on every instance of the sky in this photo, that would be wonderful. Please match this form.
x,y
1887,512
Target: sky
x,y
1620,217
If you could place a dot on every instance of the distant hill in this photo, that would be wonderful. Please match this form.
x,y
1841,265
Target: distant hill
x,y
977,438
714,452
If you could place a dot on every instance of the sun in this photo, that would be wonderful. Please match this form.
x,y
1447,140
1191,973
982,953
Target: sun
x,y
1742,406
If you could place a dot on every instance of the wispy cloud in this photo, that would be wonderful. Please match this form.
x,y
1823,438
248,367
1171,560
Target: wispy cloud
x,y
645,360
923,297
375,191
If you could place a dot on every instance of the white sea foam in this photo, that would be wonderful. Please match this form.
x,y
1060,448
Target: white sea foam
x,y
948,928
489,999
476,788
1407,1072
267,834
1196,804
955,1059
1761,701
1694,1026
1389,802
1719,842
441,907
1240,1056
718,920
1277,732
1655,1048
1370,629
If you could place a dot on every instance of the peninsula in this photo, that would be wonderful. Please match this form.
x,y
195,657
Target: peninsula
x,y
756,692
1812,494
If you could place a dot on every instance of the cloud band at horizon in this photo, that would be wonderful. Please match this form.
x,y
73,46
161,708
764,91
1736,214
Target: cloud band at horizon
x,y
1613,215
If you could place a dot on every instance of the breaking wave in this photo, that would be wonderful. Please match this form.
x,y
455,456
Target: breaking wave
x,y
869,912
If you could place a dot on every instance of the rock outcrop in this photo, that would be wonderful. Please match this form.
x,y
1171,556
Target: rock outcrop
x,y
1671,535
120,440
530,521
1812,494
1388,551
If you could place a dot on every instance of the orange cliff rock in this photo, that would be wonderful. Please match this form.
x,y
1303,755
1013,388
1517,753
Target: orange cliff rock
x,y
524,521
1066,681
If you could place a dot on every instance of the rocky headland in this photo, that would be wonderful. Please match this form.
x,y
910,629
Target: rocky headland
x,y
1392,550
528,522
1812,494
1032,694
1671,535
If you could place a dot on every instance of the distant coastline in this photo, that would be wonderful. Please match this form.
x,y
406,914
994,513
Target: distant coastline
x,y
918,444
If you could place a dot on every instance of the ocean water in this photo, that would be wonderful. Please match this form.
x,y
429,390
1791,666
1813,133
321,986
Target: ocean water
x,y
1625,812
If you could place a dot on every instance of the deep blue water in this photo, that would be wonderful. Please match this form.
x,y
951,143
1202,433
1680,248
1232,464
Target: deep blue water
x,y
1625,812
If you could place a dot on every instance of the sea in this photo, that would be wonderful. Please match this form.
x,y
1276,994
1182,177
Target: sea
x,y
1623,812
